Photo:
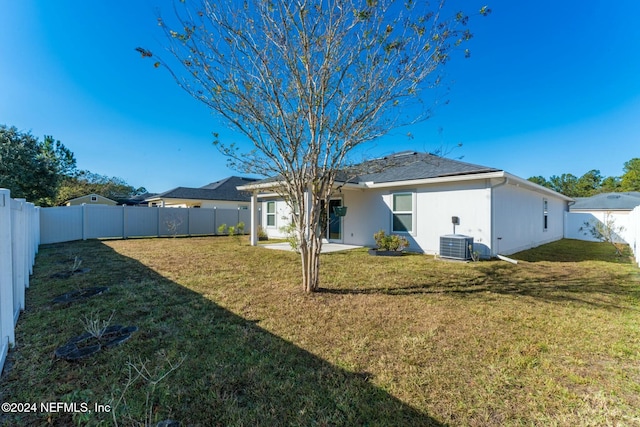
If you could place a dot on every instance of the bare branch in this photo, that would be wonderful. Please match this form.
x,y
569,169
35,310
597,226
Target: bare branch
x,y
308,82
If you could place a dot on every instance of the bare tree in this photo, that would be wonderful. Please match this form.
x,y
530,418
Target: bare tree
x,y
309,81
606,231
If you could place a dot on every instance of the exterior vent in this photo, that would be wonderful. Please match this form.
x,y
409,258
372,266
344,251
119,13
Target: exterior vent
x,y
456,246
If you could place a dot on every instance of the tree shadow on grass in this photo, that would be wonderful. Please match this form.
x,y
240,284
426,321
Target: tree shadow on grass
x,y
502,279
234,373
571,250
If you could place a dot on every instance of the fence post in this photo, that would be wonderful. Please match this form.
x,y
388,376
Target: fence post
x,y
189,221
20,271
7,332
35,219
30,240
84,221
124,221
215,221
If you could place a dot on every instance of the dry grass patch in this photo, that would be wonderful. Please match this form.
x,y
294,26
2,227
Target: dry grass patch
x,y
554,340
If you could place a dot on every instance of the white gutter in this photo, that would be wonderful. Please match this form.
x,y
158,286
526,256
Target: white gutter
x,y
415,182
512,179
271,185
253,187
441,179
536,187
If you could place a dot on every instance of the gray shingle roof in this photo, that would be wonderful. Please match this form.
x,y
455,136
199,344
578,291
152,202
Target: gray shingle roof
x,y
608,201
411,165
224,189
405,166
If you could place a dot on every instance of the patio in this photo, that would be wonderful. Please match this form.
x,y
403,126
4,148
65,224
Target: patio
x,y
326,247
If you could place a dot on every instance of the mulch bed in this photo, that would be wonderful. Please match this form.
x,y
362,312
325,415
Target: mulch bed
x,y
86,344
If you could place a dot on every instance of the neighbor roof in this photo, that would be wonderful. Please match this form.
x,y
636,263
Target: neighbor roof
x,y
608,201
88,195
224,189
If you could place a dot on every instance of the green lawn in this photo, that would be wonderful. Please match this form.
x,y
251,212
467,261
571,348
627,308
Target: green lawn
x,y
403,341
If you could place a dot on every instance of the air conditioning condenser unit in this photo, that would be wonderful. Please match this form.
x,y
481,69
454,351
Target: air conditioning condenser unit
x,y
456,246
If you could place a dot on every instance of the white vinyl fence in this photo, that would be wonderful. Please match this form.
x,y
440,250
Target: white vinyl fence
x,y
634,233
67,223
575,226
19,239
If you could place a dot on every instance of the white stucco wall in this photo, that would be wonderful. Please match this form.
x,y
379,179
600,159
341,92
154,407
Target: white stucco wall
x,y
518,218
517,215
434,205
366,214
470,202
282,217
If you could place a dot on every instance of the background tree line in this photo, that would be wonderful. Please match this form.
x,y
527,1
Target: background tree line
x,y
45,172
593,182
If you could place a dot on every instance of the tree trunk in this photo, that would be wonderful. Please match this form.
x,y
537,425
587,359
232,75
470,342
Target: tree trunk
x,y
310,254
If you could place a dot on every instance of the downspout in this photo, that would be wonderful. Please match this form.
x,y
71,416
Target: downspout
x,y
565,218
494,241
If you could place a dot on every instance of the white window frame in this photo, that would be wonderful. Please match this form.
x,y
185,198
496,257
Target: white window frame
x,y
271,214
412,212
94,198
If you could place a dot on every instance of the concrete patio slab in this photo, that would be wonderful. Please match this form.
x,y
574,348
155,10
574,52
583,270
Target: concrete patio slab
x,y
326,247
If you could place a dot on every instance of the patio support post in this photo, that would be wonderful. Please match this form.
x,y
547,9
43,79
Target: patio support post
x,y
254,218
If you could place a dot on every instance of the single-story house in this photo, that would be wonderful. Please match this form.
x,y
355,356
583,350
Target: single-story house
x,y
603,208
219,194
91,199
138,200
424,197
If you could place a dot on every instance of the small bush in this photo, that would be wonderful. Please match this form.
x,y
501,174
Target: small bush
x,y
240,227
391,242
262,233
292,236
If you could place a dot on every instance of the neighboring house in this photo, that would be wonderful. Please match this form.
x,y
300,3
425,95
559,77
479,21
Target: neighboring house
x,y
418,194
605,207
91,199
139,200
219,194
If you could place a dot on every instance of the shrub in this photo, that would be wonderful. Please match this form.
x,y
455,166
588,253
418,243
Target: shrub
x,y
240,227
391,242
262,233
292,236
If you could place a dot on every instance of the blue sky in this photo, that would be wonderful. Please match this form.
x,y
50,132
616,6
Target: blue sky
x,y
551,87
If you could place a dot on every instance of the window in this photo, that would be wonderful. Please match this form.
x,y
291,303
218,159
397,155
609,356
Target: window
x,y
402,211
271,214
545,214
94,198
